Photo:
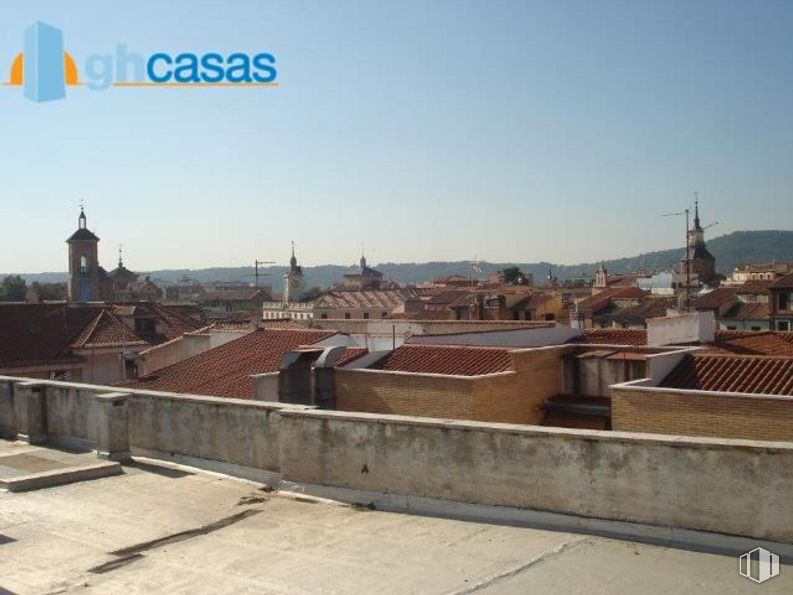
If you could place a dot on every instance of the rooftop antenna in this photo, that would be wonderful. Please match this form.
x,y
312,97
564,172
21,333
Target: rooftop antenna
x,y
256,264
687,213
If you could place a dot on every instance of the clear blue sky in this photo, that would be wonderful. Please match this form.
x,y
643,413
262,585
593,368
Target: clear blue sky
x,y
513,131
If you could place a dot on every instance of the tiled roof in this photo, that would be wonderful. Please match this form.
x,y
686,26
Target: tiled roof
x,y
753,288
449,360
41,333
785,282
601,300
350,355
33,334
446,297
235,295
363,298
651,307
716,298
83,234
748,311
107,330
772,343
225,371
608,336
732,373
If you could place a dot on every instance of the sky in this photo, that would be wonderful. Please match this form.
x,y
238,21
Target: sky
x,y
507,131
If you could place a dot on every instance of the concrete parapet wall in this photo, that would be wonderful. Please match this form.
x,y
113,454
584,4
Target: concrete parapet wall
x,y
735,487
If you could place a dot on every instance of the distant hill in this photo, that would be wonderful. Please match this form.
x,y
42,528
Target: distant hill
x,y
731,250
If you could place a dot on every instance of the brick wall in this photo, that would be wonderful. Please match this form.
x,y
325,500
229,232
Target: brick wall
x,y
404,394
519,398
699,413
510,397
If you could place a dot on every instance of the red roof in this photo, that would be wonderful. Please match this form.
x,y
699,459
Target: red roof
x,y
733,373
785,282
38,334
387,299
716,298
449,360
612,336
226,370
753,343
601,300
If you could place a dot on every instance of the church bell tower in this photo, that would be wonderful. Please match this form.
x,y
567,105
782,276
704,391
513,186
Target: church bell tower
x,y
83,263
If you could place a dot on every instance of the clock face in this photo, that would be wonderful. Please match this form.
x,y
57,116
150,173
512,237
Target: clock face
x,y
295,283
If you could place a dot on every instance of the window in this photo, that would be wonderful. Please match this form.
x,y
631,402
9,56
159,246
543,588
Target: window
x,y
366,315
323,316
83,264
783,302
550,316
130,369
347,316
384,315
732,327
756,328
783,325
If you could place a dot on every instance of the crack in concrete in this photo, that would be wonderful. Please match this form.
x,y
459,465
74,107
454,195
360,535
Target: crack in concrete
x,y
131,554
189,534
559,550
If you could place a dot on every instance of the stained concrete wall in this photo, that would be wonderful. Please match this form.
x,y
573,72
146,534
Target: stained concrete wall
x,y
727,486
732,487
234,431
7,417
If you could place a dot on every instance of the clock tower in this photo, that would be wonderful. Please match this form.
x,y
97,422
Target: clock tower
x,y
293,280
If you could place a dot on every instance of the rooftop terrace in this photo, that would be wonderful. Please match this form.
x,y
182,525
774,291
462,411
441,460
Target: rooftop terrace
x,y
170,529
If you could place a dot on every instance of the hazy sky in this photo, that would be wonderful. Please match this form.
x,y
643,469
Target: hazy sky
x,y
513,131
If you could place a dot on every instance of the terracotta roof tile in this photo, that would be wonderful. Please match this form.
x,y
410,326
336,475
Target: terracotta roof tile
x,y
225,371
365,298
449,360
609,336
716,298
772,343
733,373
785,282
32,334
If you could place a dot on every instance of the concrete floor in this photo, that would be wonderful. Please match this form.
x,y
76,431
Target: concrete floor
x,y
162,530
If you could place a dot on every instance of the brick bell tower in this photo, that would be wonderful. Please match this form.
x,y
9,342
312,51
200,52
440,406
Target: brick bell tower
x,y
83,263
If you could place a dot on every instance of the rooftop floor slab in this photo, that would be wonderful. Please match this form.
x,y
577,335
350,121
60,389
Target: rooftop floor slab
x,y
163,529
25,467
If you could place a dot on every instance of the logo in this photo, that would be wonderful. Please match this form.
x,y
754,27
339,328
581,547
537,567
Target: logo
x,y
44,70
759,565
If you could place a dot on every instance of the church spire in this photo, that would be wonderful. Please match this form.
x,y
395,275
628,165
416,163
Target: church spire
x,y
120,258
363,258
697,225
293,260
81,220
